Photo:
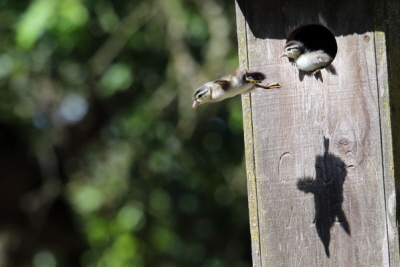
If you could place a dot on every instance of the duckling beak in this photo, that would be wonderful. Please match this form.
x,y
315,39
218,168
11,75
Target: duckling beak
x,y
283,55
196,103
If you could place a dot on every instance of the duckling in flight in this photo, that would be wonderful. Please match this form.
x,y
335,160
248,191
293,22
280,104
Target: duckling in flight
x,y
239,82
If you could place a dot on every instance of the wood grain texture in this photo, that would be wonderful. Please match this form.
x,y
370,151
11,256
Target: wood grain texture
x,y
248,133
387,38
319,153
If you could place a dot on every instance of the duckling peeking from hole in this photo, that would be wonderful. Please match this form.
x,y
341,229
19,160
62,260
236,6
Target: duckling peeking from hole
x,y
306,60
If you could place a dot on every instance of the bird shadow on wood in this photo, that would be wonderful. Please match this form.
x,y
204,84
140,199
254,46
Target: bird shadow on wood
x,y
327,188
331,69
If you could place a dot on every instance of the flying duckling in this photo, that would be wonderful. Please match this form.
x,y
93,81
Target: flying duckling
x,y
306,60
239,82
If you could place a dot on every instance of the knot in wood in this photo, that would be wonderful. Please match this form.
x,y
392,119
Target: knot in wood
x,y
344,145
344,142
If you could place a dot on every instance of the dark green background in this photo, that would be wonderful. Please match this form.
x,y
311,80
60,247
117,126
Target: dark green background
x,y
103,160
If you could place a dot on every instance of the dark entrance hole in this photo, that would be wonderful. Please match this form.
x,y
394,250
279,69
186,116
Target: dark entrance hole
x,y
315,37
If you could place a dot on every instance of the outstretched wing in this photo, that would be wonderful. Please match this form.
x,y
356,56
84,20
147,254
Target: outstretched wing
x,y
255,77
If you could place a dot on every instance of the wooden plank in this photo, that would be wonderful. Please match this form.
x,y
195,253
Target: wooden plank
x,y
313,203
387,26
248,133
387,149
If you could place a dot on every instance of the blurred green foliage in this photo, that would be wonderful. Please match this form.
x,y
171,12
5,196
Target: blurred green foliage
x,y
100,91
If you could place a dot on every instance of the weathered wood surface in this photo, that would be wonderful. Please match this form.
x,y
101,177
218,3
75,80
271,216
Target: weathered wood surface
x,y
319,154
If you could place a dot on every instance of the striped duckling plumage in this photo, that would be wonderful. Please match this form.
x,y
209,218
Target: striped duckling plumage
x,y
239,82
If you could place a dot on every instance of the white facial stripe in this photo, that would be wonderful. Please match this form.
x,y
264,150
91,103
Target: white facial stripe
x,y
292,47
202,93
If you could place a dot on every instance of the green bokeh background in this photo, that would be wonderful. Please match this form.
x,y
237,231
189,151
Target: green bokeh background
x,y
104,162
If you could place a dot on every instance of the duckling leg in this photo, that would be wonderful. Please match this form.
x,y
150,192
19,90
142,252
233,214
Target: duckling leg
x,y
316,72
318,75
269,86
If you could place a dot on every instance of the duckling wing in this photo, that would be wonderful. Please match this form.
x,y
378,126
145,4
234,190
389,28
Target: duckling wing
x,y
324,58
312,61
254,77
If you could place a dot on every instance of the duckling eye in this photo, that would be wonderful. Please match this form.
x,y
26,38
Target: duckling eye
x,y
200,95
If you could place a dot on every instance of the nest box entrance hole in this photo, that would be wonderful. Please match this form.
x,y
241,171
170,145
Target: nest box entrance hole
x,y
315,37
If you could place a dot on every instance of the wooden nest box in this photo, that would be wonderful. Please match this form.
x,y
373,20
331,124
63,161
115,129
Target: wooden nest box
x,y
319,152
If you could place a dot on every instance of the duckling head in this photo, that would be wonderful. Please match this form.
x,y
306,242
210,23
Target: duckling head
x,y
293,49
202,95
